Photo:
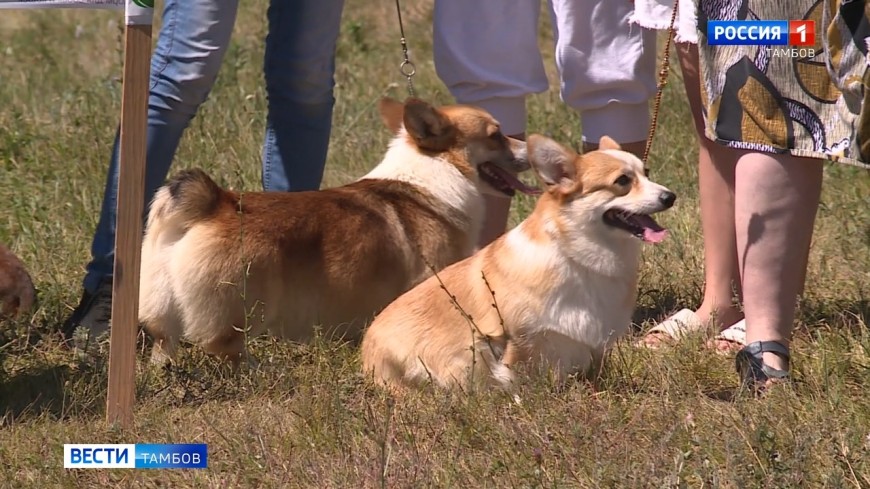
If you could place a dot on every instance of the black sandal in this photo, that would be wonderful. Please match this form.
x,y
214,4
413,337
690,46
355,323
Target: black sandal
x,y
754,373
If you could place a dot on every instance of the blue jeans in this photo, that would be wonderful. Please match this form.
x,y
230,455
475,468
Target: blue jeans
x,y
299,66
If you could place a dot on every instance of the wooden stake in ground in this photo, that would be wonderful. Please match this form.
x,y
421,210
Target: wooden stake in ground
x,y
130,206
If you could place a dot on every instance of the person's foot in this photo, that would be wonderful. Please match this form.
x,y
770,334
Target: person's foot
x,y
762,364
686,321
672,329
730,339
93,314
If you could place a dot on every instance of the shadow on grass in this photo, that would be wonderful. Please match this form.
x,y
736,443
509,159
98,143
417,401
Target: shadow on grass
x,y
197,378
40,376
34,393
35,386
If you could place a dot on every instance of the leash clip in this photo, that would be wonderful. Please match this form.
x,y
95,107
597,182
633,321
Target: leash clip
x,y
407,68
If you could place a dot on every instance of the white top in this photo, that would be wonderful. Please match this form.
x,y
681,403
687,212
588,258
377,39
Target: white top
x,y
656,14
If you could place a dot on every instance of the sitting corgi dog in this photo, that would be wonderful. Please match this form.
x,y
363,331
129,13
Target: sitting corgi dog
x,y
219,265
556,291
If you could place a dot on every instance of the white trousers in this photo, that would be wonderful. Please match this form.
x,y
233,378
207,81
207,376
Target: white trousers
x,y
487,53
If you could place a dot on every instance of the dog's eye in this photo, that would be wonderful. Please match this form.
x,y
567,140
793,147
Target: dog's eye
x,y
623,180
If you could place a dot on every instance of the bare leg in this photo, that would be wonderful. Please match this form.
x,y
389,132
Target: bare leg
x,y
498,210
776,201
716,192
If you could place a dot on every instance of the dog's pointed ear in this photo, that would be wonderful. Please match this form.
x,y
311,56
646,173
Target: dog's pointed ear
x,y
553,163
429,128
606,142
392,112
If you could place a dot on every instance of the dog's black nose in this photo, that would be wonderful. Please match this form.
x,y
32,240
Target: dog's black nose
x,y
667,199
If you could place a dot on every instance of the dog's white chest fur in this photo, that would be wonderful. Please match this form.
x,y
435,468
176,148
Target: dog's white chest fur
x,y
583,312
586,307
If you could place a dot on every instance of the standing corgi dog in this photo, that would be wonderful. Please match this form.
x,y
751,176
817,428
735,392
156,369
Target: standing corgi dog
x,y
556,291
219,265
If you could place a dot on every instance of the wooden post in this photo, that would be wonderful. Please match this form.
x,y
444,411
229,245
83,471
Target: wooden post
x,y
130,207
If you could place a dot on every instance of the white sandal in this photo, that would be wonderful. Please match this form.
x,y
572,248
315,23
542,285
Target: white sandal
x,y
736,333
685,321
675,327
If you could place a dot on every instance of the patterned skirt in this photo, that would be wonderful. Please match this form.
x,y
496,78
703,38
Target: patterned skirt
x,y
810,101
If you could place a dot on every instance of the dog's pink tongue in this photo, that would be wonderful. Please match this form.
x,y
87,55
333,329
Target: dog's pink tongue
x,y
514,182
654,236
652,231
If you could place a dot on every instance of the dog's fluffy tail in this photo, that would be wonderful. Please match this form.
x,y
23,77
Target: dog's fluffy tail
x,y
186,199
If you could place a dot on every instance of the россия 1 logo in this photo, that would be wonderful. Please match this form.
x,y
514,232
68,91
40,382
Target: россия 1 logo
x,y
797,33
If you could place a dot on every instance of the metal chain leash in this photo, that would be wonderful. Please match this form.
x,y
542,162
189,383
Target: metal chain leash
x,y
407,67
663,80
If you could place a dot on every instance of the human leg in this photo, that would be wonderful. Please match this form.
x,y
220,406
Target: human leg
x,y
607,69
487,54
776,198
184,66
716,165
299,67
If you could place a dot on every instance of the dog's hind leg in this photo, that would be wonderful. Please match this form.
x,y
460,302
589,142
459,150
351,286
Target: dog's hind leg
x,y
166,331
229,347
158,306
163,323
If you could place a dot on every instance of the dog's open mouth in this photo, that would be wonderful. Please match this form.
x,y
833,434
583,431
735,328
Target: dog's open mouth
x,y
642,226
504,181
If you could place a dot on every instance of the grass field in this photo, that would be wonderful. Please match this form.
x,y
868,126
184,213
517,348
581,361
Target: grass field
x,y
305,418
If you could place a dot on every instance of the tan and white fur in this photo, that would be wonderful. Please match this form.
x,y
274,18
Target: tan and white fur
x,y
557,291
218,266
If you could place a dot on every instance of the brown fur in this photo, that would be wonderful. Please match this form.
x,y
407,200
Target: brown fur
x,y
17,293
216,261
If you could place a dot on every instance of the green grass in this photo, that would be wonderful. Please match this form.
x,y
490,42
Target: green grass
x,y
305,418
